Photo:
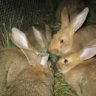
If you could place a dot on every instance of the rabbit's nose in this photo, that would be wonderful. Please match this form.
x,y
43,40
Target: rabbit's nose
x,y
54,51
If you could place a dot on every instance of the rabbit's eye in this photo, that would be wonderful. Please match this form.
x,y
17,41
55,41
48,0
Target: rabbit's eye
x,y
65,61
61,41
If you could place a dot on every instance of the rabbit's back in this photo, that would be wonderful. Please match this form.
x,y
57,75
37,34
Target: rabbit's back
x,y
88,84
83,36
8,57
32,83
11,54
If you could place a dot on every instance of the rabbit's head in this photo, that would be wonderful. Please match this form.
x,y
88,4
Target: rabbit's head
x,y
20,40
71,61
62,40
39,36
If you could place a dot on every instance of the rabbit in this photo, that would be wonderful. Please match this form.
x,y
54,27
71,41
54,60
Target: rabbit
x,y
24,72
61,42
66,41
39,36
74,7
79,69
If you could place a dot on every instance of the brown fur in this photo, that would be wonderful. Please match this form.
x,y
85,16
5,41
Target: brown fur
x,y
33,81
83,78
45,31
71,40
80,39
83,36
24,71
78,73
19,78
10,58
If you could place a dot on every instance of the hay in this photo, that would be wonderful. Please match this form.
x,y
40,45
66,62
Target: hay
x,y
61,87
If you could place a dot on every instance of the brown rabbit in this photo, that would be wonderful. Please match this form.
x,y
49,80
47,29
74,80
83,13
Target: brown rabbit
x,y
39,36
73,6
62,40
24,72
79,69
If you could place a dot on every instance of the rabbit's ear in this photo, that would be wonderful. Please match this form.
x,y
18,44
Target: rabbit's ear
x,y
88,52
19,38
64,17
78,21
48,33
44,59
34,58
31,56
38,36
